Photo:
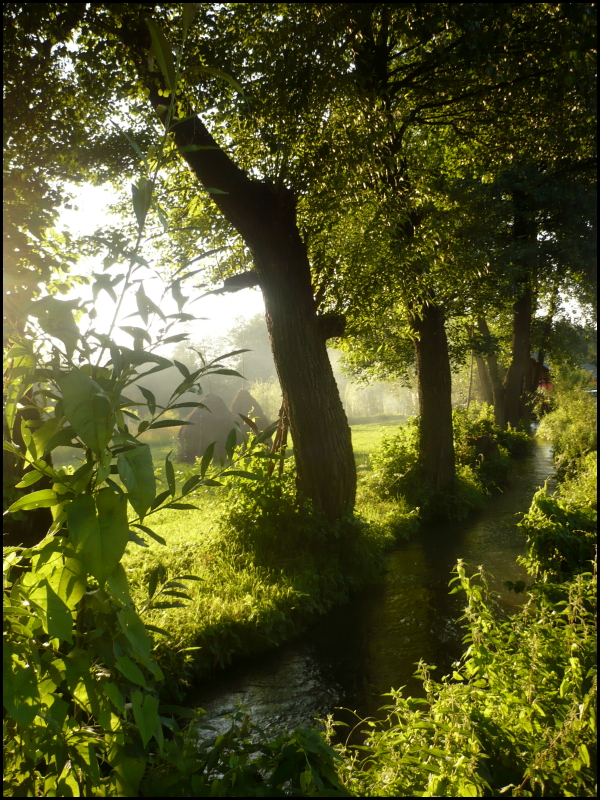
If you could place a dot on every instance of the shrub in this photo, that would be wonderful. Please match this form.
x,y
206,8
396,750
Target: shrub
x,y
268,521
517,716
571,425
483,454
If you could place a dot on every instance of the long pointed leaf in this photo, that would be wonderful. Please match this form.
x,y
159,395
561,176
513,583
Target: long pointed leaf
x,y
163,53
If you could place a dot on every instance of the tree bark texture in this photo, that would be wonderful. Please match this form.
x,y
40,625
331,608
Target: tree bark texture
x,y
518,376
265,217
514,380
436,443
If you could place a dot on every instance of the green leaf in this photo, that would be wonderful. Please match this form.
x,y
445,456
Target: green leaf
x,y
159,499
59,620
155,629
142,200
190,484
207,458
163,53
29,479
130,670
170,473
145,713
56,319
45,433
152,583
267,433
212,190
44,498
119,585
182,368
584,753
240,473
183,506
14,391
72,583
142,303
111,690
133,628
225,371
188,14
99,531
88,409
21,696
136,470
137,333
104,283
231,442
55,708
61,438
155,536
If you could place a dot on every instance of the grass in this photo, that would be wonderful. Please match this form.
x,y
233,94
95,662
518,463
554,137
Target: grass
x,y
366,438
238,606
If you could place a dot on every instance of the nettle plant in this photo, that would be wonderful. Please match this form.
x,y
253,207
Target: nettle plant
x,y
82,709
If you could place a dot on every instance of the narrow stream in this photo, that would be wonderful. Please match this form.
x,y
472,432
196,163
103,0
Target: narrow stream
x,y
358,651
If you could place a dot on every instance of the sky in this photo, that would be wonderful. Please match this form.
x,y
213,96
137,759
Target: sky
x,y
220,311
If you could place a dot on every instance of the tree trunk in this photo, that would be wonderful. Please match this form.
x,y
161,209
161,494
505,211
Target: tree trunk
x,y
520,354
518,376
494,375
484,380
265,217
322,439
545,340
436,443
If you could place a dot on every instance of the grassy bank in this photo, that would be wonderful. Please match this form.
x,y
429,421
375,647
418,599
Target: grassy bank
x,y
257,589
517,716
246,602
243,605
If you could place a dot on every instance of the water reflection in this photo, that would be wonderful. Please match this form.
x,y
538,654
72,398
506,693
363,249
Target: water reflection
x,y
359,651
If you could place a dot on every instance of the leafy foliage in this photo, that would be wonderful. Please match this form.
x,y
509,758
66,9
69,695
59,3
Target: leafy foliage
x,y
483,453
571,425
517,716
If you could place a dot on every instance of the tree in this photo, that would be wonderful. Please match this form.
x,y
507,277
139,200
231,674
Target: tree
x,y
263,214
426,84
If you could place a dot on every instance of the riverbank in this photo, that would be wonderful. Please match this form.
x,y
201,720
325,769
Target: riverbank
x,y
517,714
244,605
353,655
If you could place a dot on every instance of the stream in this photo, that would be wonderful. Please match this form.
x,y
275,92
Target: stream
x,y
358,651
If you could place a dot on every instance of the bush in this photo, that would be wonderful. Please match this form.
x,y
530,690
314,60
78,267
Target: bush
x,y
571,425
483,458
517,716
560,538
269,523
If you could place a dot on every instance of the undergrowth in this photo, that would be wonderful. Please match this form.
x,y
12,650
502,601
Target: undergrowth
x,y
268,564
483,458
517,717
